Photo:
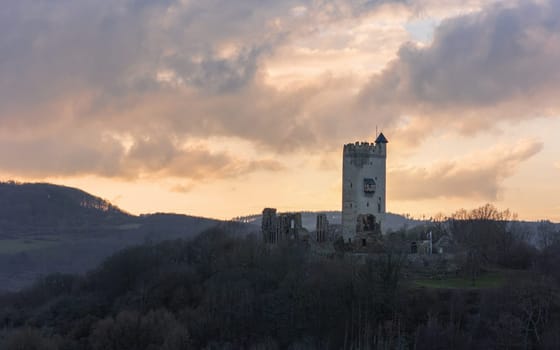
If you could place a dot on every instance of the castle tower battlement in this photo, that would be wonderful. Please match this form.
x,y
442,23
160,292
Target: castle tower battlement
x,y
363,189
365,150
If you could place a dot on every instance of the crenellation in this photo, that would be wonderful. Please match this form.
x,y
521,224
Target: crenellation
x,y
364,149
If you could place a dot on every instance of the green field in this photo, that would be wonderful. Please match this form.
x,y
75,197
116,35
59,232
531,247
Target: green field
x,y
14,246
493,279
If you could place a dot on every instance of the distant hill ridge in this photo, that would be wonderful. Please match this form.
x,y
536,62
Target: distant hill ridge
x,y
43,208
47,228
26,205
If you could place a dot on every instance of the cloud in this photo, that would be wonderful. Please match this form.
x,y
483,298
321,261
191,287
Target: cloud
x,y
64,154
129,67
479,176
496,64
80,154
78,78
113,49
182,188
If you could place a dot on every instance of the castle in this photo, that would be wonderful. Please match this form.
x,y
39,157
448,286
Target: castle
x,y
363,190
363,200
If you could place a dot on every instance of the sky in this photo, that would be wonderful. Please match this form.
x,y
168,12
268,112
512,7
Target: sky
x,y
220,108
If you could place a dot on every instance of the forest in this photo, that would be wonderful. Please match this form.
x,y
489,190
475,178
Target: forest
x,y
221,291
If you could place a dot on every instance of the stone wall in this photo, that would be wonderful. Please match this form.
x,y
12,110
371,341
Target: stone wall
x,y
276,228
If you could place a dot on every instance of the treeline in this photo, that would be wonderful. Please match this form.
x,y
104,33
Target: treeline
x,y
221,292
486,237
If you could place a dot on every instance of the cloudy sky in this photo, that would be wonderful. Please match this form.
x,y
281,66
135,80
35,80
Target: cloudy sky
x,y
220,108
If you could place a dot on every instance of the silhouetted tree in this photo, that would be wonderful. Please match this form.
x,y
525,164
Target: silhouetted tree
x,y
483,232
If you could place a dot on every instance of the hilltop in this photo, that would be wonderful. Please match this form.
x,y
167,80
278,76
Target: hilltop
x,y
46,228
42,208
28,209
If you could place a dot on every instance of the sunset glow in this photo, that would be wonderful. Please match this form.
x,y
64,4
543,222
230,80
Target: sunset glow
x,y
221,108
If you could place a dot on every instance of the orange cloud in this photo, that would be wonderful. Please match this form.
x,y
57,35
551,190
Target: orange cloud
x,y
75,72
478,176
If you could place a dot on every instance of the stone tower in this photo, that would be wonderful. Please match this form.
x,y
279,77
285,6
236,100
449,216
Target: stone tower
x,y
363,189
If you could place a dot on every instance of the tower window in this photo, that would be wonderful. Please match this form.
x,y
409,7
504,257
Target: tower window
x,y
350,185
369,186
379,207
367,204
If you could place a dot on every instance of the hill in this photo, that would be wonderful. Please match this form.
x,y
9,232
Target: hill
x,y
46,228
42,208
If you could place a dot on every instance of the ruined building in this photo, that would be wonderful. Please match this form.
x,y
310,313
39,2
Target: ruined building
x,y
363,190
268,225
282,227
322,228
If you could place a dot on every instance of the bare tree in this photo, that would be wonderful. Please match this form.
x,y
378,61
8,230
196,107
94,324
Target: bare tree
x,y
484,233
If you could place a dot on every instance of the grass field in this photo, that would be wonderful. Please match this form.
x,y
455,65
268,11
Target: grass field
x,y
14,246
492,279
